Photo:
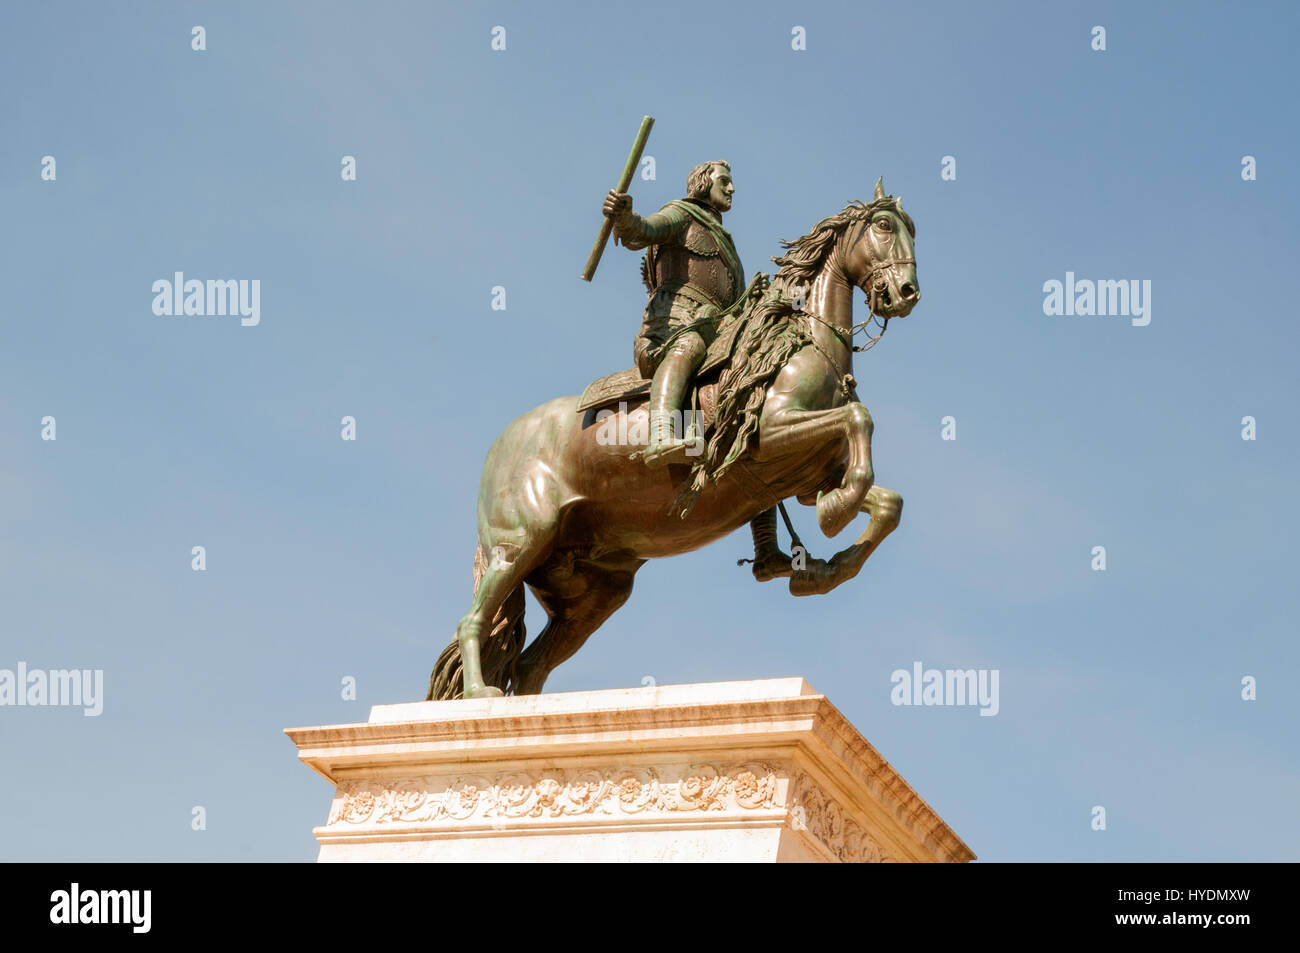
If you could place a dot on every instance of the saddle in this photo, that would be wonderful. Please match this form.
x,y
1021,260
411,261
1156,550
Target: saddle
x,y
631,387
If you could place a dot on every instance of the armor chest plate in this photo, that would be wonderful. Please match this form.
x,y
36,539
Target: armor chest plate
x,y
697,262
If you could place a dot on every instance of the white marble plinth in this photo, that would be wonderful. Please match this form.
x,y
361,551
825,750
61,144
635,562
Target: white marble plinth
x,y
763,770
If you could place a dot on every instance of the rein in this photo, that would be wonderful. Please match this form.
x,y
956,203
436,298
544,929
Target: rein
x,y
847,384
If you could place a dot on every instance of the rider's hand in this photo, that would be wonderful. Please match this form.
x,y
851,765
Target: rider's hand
x,y
617,204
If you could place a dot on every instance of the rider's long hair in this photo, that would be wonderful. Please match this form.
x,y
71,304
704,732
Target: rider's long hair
x,y
700,180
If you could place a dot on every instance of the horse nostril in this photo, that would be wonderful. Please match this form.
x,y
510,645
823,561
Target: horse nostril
x,y
909,291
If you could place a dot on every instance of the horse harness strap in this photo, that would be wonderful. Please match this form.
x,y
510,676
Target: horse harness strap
x,y
885,262
754,484
795,541
847,384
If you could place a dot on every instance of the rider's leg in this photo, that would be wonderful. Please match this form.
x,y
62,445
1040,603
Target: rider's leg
x,y
667,392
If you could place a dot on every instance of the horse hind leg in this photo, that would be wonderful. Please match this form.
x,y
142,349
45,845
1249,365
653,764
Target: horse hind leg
x,y
498,598
499,647
577,605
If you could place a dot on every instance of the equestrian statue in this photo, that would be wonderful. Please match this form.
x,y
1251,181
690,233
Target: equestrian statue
x,y
742,396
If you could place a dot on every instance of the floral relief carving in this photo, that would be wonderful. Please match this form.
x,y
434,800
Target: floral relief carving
x,y
818,814
557,793
705,786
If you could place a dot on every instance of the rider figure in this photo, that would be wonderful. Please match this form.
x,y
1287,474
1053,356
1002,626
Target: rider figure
x,y
693,274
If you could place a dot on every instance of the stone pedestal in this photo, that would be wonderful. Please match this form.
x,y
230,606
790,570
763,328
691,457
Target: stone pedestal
x,y
762,770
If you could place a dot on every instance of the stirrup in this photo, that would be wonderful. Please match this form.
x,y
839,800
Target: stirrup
x,y
670,448
661,455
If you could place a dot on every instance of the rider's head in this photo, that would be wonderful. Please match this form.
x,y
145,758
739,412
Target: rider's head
x,y
711,182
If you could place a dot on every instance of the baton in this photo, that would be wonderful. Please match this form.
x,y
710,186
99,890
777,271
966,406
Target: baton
x,y
607,226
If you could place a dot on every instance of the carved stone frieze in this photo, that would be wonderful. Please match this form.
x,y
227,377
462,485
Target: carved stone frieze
x,y
557,793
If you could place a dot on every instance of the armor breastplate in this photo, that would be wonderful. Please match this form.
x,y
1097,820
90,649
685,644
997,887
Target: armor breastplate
x,y
698,264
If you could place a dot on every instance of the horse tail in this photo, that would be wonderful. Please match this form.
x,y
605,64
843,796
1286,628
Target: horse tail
x,y
500,647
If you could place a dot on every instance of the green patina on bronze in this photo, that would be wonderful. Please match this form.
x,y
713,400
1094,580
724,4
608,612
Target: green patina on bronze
x,y
694,277
574,518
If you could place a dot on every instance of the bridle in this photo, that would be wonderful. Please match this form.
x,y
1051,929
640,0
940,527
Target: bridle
x,y
873,283
871,286
846,336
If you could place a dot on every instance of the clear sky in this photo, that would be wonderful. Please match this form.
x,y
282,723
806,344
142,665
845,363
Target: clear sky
x,y
476,168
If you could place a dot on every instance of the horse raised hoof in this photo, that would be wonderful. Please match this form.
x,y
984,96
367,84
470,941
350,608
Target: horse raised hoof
x,y
834,511
484,691
817,580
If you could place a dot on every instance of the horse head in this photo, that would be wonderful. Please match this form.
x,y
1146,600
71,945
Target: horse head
x,y
878,255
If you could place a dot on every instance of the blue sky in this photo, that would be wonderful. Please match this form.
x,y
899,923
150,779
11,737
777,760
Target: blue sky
x,y
477,168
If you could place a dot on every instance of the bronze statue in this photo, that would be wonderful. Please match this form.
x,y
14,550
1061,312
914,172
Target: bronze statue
x,y
574,515
693,274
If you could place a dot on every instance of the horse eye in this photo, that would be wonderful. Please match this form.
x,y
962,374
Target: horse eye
x,y
882,224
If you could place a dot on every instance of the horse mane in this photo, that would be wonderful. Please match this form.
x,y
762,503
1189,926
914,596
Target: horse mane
x,y
768,337
805,256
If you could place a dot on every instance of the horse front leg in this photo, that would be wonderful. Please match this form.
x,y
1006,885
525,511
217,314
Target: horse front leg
x,y
804,431
823,575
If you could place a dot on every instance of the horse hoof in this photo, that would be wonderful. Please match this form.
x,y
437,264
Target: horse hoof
x,y
817,580
806,584
832,514
484,691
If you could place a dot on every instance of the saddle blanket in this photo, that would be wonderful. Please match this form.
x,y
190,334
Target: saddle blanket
x,y
630,385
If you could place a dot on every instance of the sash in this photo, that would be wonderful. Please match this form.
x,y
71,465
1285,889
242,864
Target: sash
x,y
726,247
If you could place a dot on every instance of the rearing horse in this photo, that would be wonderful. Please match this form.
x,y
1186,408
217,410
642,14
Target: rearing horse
x,y
573,517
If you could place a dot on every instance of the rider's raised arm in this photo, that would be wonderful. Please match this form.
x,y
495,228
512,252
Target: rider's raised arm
x,y
666,225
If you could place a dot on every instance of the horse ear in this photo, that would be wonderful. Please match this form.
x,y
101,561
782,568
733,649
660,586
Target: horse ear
x,y
880,192
898,203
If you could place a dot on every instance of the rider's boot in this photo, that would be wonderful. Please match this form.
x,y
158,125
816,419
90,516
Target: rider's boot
x,y
667,391
769,561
